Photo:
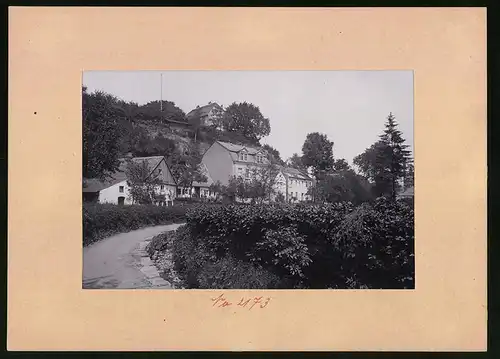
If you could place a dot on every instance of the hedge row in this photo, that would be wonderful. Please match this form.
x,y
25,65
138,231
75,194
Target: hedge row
x,y
298,246
102,220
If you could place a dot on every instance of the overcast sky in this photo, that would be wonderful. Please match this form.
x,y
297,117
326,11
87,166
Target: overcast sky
x,y
350,107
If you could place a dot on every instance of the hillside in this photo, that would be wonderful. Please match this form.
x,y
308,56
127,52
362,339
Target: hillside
x,y
113,128
157,138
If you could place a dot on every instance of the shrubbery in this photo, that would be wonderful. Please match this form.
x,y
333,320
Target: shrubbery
x,y
102,220
297,246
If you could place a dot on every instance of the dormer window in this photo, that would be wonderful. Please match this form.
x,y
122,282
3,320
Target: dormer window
x,y
243,157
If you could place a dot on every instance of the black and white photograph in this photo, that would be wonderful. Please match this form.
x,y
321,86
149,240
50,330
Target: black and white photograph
x,y
248,180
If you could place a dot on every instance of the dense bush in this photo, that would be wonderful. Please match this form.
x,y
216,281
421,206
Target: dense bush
x,y
159,243
305,246
101,220
200,268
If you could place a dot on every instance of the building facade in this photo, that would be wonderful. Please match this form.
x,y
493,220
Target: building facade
x,y
293,184
208,114
115,190
225,160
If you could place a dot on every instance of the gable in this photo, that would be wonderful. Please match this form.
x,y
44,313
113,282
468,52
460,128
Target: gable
x,y
165,175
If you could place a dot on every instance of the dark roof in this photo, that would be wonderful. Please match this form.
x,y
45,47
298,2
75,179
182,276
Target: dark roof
x,y
294,173
187,124
96,185
232,147
203,110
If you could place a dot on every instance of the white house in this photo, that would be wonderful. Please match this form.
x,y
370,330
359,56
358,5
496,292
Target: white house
x,y
116,190
293,184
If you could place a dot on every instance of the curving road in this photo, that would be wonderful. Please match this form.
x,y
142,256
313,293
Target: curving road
x,y
119,262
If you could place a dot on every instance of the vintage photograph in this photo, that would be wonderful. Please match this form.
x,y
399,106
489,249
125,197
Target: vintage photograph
x,y
248,180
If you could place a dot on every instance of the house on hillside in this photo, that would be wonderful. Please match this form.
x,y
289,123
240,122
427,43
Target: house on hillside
x,y
116,190
224,160
293,184
207,114
181,127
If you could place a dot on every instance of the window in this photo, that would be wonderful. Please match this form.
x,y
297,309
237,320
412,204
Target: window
x,y
302,196
247,173
244,157
161,187
240,171
121,189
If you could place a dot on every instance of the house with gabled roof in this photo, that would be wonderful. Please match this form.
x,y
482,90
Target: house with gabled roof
x,y
207,114
116,190
224,160
198,189
293,184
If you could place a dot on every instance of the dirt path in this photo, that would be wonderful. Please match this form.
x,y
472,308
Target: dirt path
x,y
120,261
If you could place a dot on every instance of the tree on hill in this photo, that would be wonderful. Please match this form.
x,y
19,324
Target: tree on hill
x,y
246,119
341,165
130,112
385,162
100,134
317,152
154,111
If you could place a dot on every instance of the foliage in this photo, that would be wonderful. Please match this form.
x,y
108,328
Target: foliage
x,y
186,166
385,162
231,273
280,198
246,119
102,220
296,162
101,135
340,165
377,243
159,242
142,145
344,185
305,246
409,176
157,112
273,155
317,152
257,187
143,183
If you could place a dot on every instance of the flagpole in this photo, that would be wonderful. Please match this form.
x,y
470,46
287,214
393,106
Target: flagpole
x,y
161,92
